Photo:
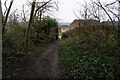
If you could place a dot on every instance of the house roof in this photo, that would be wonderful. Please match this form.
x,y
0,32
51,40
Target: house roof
x,y
64,26
116,23
77,23
74,24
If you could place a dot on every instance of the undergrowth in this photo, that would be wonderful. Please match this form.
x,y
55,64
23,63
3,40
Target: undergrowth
x,y
88,58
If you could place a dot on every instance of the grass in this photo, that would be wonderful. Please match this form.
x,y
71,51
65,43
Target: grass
x,y
86,59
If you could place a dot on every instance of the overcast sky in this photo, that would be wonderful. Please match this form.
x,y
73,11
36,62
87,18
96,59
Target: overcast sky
x,y
65,12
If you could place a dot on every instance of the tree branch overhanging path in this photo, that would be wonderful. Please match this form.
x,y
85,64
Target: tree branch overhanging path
x,y
33,13
42,6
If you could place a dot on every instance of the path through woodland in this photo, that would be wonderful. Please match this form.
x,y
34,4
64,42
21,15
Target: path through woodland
x,y
45,65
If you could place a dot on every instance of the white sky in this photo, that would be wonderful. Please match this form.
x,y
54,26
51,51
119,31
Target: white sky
x,y
66,8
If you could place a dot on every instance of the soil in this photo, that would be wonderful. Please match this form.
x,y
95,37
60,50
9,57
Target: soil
x,y
45,65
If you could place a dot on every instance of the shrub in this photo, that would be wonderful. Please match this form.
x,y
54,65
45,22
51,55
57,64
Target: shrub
x,y
66,34
89,54
45,30
13,40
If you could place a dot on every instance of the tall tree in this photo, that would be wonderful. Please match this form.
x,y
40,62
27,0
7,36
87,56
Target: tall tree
x,y
6,17
0,40
32,16
1,25
119,23
27,37
0,16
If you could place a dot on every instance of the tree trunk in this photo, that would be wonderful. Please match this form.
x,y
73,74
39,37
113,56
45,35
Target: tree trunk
x,y
0,40
119,24
0,16
4,23
27,37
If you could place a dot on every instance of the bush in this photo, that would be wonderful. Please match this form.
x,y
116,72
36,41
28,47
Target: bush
x,y
66,34
83,60
90,55
7,42
13,40
45,30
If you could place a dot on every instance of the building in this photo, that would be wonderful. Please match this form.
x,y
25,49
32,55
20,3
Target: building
x,y
109,23
63,28
81,23
74,24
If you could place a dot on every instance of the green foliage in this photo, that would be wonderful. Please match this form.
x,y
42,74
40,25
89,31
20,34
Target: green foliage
x,y
20,54
45,30
17,28
13,50
66,35
7,40
48,24
13,53
85,61
13,40
90,55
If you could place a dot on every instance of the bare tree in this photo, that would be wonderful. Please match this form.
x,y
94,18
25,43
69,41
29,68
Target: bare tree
x,y
13,19
34,10
94,11
6,17
0,16
0,40
45,7
116,15
27,37
111,11
111,3
98,3
119,24
41,7
23,15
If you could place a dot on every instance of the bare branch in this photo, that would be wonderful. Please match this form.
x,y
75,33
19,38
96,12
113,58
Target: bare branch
x,y
6,17
76,15
56,4
100,5
5,7
41,7
110,3
114,14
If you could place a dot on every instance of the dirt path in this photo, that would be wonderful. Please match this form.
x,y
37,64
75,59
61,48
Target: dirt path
x,y
46,65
